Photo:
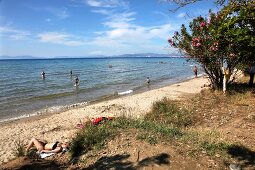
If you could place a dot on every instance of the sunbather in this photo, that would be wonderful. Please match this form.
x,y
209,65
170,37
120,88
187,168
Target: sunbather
x,y
43,147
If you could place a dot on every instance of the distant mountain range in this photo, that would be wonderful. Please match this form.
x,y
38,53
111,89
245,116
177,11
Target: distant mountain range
x,y
18,57
99,56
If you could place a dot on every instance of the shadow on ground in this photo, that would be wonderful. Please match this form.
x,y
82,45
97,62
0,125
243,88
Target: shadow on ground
x,y
245,156
120,162
240,88
24,163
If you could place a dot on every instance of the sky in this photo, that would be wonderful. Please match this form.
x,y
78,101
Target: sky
x,y
75,28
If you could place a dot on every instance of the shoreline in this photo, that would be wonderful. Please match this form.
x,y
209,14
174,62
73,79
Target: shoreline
x,y
62,108
62,126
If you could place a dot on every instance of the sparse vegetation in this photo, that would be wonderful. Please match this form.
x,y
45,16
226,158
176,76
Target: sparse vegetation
x,y
91,137
170,118
212,147
168,113
96,136
19,149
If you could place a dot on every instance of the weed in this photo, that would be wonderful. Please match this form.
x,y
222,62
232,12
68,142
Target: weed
x,y
167,112
150,138
212,148
91,137
19,149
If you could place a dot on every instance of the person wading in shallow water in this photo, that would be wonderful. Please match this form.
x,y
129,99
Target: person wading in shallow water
x,y
76,81
148,80
43,74
195,71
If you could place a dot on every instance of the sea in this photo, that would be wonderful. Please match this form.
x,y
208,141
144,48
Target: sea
x,y
24,92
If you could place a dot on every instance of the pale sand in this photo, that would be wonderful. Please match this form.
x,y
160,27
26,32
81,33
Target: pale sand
x,y
62,126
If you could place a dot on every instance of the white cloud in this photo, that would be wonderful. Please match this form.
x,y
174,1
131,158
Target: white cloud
x,y
120,20
94,3
123,33
60,38
102,11
107,3
138,33
181,15
14,34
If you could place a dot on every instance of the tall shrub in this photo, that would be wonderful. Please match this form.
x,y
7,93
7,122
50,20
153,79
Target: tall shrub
x,y
225,37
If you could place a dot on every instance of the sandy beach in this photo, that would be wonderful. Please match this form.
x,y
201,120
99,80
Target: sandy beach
x,y
62,126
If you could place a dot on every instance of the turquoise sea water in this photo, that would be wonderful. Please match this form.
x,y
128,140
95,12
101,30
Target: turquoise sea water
x,y
23,91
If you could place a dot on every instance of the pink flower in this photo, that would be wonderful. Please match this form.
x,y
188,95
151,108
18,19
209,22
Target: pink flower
x,y
202,24
196,42
170,41
214,47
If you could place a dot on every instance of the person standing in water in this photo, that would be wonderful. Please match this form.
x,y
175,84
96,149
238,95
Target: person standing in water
x,y
71,72
148,80
76,81
43,74
195,71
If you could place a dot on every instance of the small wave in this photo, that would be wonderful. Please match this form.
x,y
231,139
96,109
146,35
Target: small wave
x,y
125,92
49,110
17,118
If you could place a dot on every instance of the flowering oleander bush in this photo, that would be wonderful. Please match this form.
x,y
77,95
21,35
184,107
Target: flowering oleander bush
x,y
223,37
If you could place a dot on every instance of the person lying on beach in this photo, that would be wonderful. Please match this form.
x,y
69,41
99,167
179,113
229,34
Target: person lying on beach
x,y
94,121
44,147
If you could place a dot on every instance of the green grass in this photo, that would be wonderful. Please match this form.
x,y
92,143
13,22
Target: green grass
x,y
212,148
150,138
167,112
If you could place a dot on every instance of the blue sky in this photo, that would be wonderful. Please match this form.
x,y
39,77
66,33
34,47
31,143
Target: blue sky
x,y
51,28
